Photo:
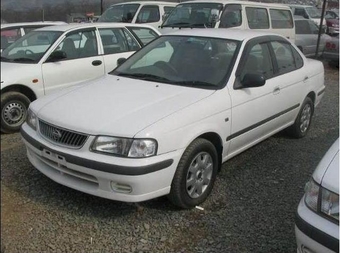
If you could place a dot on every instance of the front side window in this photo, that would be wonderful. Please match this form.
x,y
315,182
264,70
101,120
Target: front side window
x,y
144,35
79,44
258,62
196,62
257,18
284,57
300,12
281,19
119,13
231,16
194,15
117,40
31,47
148,14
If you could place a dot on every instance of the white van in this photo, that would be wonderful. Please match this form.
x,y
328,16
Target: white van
x,y
232,14
149,12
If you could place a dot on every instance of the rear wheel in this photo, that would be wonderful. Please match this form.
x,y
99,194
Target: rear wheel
x,y
195,174
14,107
303,120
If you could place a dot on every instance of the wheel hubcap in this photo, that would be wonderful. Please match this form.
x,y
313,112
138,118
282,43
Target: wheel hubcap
x,y
14,113
199,175
305,118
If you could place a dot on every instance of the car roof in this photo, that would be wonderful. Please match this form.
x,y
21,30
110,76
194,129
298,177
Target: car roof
x,y
232,34
23,24
236,2
146,3
69,27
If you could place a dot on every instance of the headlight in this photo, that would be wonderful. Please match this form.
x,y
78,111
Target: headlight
x,y
124,146
31,119
312,194
330,204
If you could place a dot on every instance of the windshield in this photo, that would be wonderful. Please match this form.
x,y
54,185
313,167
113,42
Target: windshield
x,y
31,47
119,13
313,12
197,62
194,15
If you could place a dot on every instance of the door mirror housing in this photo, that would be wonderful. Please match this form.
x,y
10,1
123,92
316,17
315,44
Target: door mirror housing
x,y
56,56
251,80
120,61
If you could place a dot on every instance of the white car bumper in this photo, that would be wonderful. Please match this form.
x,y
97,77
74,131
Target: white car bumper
x,y
122,179
314,233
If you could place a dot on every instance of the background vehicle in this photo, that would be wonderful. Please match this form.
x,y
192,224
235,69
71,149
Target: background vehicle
x,y
52,58
306,39
232,14
148,12
317,219
332,21
308,12
331,52
10,32
166,124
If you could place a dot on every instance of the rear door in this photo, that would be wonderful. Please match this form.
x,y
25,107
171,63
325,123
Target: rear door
x,y
82,61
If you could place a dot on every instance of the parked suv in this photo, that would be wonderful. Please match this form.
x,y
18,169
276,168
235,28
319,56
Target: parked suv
x,y
55,57
149,12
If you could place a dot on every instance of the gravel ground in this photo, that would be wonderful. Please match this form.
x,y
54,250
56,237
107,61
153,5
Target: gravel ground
x,y
251,208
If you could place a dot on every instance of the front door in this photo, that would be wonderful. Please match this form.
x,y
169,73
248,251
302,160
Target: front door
x,y
82,61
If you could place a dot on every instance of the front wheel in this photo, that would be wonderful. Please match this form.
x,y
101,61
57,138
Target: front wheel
x,y
14,107
302,122
195,174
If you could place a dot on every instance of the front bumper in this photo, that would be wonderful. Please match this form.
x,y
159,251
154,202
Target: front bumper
x,y
122,179
315,234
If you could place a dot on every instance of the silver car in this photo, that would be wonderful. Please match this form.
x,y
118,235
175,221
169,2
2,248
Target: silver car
x,y
331,52
307,36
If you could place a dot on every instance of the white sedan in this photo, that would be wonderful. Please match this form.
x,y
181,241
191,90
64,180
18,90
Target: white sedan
x,y
164,121
54,57
317,219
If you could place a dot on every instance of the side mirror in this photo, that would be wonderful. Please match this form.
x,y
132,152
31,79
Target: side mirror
x,y
120,61
253,80
56,56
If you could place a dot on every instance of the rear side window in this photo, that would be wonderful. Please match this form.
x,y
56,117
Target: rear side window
x,y
148,14
117,41
284,57
144,35
257,18
281,19
300,12
231,16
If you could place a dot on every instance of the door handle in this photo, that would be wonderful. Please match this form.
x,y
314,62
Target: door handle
x,y
276,90
96,63
305,79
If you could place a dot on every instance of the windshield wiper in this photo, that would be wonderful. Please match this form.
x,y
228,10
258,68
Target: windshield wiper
x,y
22,59
196,84
148,77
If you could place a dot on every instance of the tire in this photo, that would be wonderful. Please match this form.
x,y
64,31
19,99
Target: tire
x,y
14,107
190,185
304,119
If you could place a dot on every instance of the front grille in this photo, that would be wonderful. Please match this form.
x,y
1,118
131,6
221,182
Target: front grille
x,y
62,136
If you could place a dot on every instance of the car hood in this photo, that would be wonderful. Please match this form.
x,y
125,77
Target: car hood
x,y
115,105
10,71
327,172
